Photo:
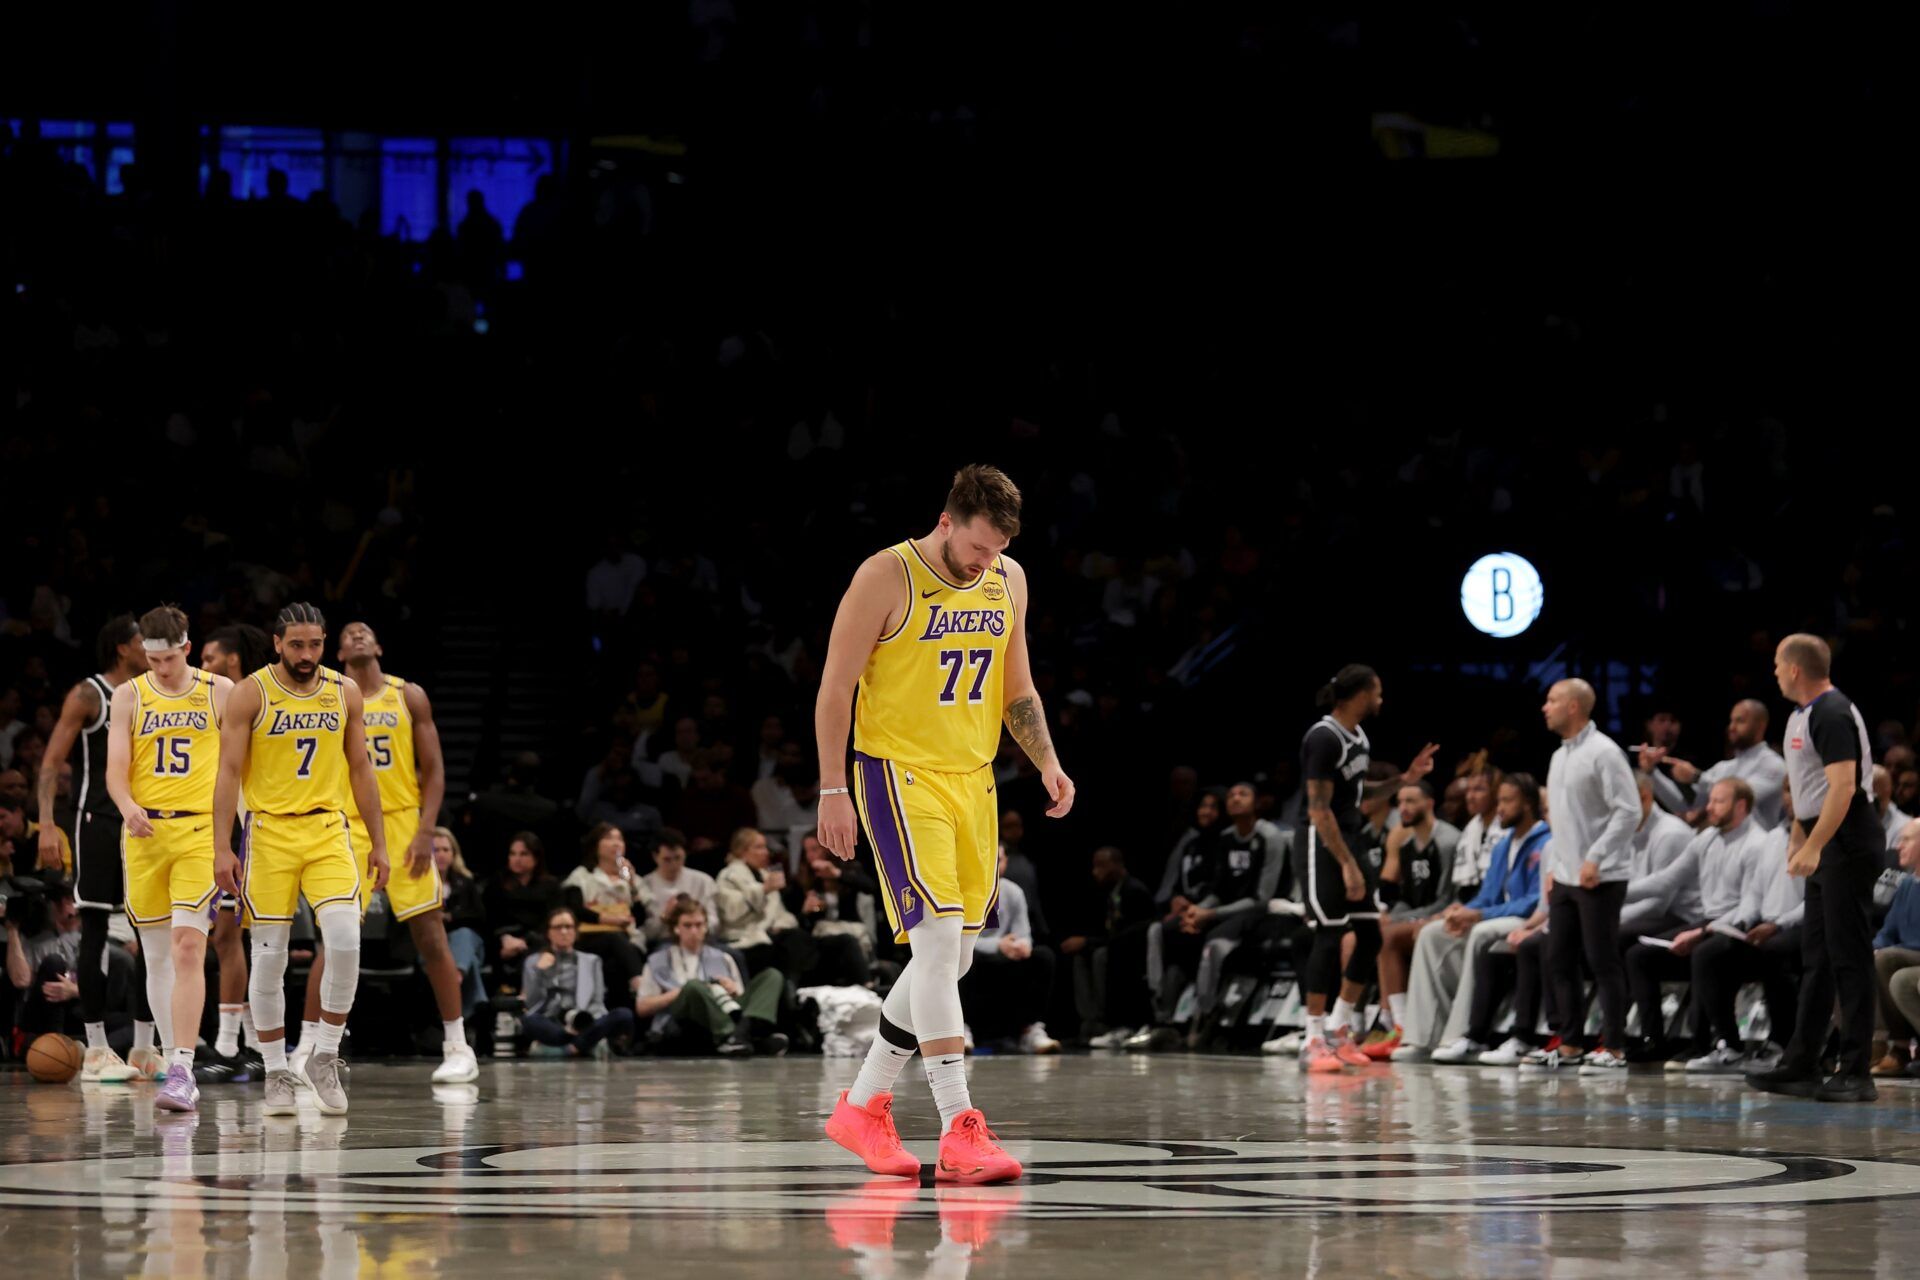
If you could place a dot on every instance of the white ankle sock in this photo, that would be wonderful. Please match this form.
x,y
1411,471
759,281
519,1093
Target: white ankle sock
x,y
456,1033
142,1036
1398,1003
247,1033
96,1035
885,1061
1344,1015
326,1036
229,1042
183,1058
1316,1027
274,1053
308,1030
947,1077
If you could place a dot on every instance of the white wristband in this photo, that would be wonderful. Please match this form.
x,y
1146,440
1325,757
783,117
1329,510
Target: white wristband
x,y
833,791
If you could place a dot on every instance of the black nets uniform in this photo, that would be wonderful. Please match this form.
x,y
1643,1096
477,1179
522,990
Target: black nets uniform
x,y
97,877
1330,753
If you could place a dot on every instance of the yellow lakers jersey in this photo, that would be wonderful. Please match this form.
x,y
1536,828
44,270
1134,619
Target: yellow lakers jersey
x,y
176,745
390,746
931,693
298,763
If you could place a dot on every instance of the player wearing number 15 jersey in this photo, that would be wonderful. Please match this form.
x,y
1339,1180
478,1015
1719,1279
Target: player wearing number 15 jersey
x,y
931,635
294,736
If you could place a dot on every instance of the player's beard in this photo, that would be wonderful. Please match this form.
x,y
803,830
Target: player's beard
x,y
959,574
303,671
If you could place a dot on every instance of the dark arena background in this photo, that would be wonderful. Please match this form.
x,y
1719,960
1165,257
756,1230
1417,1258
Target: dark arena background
x,y
585,355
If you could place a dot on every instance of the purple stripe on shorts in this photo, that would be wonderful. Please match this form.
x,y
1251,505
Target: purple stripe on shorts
x,y
888,851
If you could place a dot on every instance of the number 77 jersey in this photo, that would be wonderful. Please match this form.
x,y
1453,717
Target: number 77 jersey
x,y
298,763
932,691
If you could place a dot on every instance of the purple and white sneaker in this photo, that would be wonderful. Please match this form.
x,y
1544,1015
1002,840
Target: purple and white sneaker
x,y
179,1093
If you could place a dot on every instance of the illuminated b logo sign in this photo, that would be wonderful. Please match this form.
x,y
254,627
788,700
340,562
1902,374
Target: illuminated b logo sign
x,y
1502,594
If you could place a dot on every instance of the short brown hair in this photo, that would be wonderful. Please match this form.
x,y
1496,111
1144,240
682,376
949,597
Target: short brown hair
x,y
1742,790
164,623
980,490
1809,653
680,908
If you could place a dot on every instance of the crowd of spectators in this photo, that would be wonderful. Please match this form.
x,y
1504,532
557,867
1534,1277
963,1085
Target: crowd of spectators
x,y
281,377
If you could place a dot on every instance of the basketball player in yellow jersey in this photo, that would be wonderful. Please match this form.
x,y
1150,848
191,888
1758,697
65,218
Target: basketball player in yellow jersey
x,y
405,748
163,753
932,633
294,736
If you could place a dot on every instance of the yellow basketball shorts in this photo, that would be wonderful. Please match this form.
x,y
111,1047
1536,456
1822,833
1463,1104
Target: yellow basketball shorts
x,y
288,857
408,895
936,840
170,870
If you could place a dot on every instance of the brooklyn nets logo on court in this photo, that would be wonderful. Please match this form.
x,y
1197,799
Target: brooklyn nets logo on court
x,y
1064,1179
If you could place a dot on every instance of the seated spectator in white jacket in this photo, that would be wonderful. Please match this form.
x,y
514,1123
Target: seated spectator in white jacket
x,y
1006,990
756,922
695,999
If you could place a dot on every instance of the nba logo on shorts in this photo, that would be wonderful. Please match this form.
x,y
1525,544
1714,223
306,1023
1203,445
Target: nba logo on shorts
x,y
909,779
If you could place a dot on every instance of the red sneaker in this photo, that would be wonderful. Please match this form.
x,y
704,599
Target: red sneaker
x,y
1349,1053
865,1219
868,1132
970,1154
1318,1058
1380,1048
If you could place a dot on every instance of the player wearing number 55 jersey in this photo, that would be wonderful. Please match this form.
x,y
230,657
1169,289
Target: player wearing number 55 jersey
x,y
404,746
932,634
294,737
163,752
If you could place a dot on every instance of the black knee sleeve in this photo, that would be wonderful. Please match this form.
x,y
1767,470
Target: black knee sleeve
x,y
1323,962
896,1037
1363,966
90,970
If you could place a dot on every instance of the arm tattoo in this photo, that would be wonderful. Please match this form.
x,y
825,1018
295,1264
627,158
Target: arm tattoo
x,y
1029,729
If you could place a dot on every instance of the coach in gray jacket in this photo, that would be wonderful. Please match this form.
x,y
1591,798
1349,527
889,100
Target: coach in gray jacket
x,y
1595,809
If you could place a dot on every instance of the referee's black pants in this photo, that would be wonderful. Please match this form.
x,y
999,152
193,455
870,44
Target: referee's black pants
x,y
1836,956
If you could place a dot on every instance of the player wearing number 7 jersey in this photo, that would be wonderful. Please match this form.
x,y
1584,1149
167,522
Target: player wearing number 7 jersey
x,y
294,737
933,635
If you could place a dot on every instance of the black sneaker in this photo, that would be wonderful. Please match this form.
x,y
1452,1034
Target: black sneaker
x,y
214,1067
772,1046
1791,1081
733,1047
252,1065
1847,1088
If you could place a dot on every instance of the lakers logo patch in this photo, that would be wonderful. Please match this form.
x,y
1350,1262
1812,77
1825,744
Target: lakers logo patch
x,y
906,902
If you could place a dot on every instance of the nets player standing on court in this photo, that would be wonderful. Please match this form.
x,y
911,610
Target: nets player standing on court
x,y
98,879
295,737
933,632
1836,842
163,753
1341,888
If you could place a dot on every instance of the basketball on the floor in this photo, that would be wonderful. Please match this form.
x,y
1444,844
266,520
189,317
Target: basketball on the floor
x,y
53,1058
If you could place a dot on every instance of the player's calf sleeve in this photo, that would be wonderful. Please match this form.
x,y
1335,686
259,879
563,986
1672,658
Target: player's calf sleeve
x,y
157,942
937,943
267,983
340,928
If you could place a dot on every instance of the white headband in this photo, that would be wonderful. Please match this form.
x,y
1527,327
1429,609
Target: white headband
x,y
162,646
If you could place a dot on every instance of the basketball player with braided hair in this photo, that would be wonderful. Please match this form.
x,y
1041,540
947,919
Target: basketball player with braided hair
x,y
295,741
1341,889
